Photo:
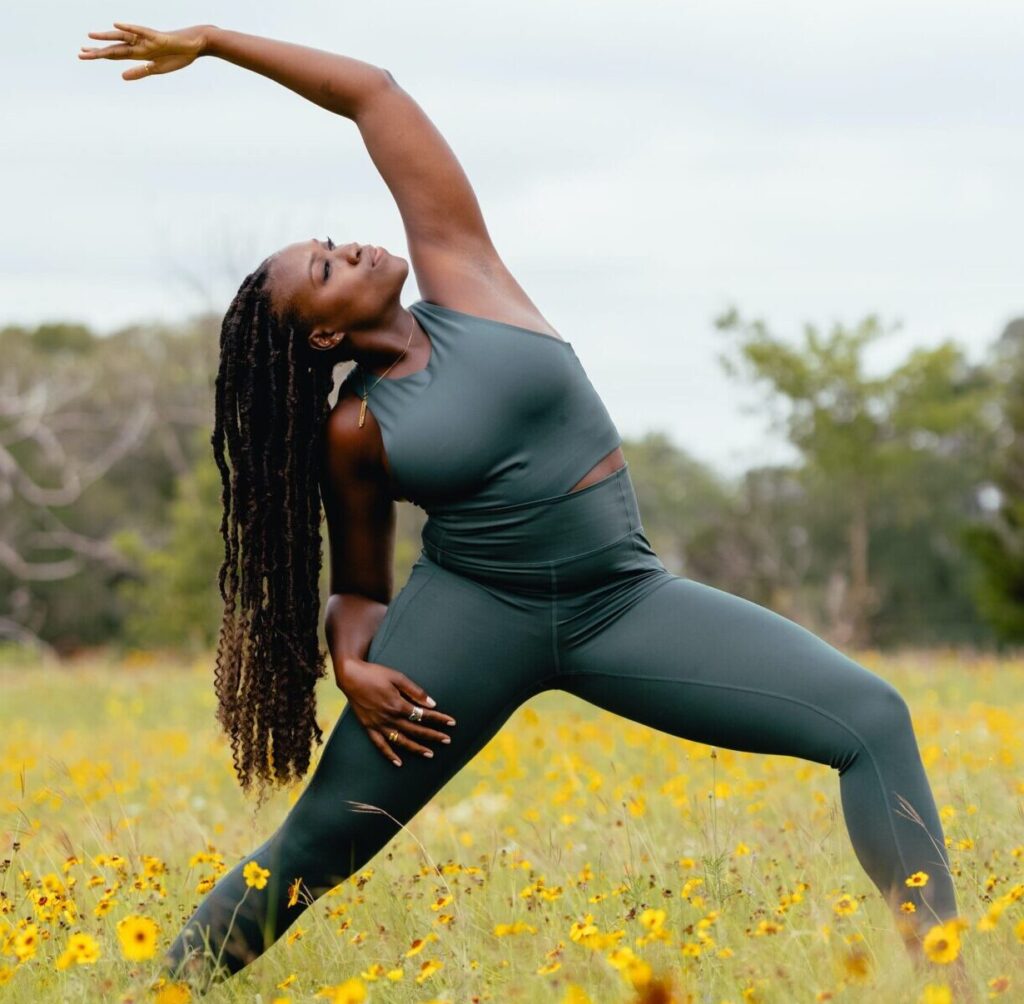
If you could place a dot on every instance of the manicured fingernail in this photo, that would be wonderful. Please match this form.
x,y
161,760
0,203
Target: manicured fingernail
x,y
431,702
451,721
447,739
397,763
428,752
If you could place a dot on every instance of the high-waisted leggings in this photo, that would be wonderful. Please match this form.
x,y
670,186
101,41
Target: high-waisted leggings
x,y
566,593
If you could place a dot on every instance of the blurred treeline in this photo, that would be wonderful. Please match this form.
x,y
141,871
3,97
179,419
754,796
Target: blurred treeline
x,y
902,523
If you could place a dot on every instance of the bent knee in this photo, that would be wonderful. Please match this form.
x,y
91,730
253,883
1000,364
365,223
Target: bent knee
x,y
878,716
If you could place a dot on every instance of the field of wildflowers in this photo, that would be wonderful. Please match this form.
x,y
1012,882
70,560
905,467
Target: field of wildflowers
x,y
579,859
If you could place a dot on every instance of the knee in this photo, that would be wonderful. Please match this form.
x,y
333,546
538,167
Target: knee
x,y
878,712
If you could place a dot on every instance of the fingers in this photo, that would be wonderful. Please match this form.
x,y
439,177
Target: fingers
x,y
396,737
136,29
414,690
110,52
421,732
399,732
137,72
131,35
381,744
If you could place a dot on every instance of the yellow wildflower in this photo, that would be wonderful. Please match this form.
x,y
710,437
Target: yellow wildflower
x,y
138,937
255,876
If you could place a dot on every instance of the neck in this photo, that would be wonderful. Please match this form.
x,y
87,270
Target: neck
x,y
394,342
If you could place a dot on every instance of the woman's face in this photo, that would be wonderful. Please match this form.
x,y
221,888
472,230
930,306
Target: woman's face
x,y
336,288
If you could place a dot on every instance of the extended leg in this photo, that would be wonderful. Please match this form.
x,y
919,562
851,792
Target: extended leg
x,y
703,664
479,658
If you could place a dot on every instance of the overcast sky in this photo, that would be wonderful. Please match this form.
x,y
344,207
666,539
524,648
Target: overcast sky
x,y
642,166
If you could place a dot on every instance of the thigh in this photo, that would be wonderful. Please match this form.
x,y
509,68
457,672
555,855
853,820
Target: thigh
x,y
478,653
706,665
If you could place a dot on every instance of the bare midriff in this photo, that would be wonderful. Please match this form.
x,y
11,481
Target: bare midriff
x,y
608,465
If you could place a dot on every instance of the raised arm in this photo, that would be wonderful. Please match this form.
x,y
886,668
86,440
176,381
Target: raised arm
x,y
440,212
450,249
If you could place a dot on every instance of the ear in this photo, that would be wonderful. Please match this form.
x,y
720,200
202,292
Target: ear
x,y
325,340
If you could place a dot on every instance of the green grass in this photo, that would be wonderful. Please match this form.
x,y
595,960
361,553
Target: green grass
x,y
569,812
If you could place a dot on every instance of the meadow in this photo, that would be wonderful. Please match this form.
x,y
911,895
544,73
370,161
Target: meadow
x,y
578,858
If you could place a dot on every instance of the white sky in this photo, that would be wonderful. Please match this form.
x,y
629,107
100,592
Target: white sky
x,y
641,164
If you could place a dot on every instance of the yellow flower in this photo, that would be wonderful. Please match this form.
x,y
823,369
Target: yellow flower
x,y
83,949
917,879
652,919
502,930
419,944
429,967
138,937
549,967
293,891
845,905
25,942
255,876
936,994
857,966
350,992
575,995
173,993
942,942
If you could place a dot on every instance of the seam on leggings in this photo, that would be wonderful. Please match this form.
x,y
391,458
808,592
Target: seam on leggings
x,y
554,620
781,697
401,604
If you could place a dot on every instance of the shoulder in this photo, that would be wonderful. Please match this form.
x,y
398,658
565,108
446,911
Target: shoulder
x,y
351,449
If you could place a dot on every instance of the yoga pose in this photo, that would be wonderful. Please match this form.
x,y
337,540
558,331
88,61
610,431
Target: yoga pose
x,y
535,572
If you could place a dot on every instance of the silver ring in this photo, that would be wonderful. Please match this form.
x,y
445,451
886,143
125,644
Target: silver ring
x,y
416,715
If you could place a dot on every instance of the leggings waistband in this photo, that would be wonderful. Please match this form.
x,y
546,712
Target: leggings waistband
x,y
546,531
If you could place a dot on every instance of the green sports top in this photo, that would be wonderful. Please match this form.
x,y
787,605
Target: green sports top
x,y
500,415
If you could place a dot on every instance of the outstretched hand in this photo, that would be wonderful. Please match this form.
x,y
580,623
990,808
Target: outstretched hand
x,y
164,51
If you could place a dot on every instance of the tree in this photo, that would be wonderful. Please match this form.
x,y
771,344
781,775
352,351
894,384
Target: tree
x,y
869,444
998,542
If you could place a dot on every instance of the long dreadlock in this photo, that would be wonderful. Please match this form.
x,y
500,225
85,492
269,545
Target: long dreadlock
x,y
271,408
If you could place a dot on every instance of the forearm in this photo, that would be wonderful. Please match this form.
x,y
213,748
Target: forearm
x,y
335,82
350,622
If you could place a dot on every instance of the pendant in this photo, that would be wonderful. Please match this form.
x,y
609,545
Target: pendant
x,y
362,413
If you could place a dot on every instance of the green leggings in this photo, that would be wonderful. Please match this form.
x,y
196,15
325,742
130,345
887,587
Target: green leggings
x,y
566,593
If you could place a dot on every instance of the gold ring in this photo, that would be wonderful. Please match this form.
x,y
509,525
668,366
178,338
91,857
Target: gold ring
x,y
393,735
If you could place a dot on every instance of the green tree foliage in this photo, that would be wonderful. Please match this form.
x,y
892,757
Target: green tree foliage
x,y
998,541
883,457
174,602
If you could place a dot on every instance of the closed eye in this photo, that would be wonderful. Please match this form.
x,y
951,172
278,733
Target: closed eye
x,y
327,264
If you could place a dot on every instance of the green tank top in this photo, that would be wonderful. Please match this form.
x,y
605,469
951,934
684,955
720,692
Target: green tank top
x,y
500,415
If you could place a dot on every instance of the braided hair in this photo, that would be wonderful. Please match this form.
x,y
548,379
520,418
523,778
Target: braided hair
x,y
271,406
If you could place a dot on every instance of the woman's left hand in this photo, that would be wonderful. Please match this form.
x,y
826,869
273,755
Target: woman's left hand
x,y
165,51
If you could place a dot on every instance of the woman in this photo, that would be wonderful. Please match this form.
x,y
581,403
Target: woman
x,y
535,572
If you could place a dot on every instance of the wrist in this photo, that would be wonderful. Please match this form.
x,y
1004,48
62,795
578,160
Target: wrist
x,y
207,37
343,667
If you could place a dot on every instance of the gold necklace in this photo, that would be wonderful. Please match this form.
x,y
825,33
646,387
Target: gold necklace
x,y
366,393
